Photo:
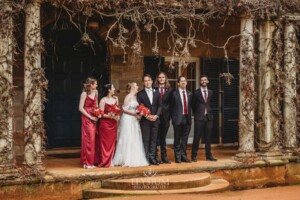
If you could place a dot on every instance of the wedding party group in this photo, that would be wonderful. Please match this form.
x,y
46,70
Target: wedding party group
x,y
131,135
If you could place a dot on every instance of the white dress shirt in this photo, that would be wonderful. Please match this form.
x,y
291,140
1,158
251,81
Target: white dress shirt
x,y
202,90
163,88
203,94
181,96
149,92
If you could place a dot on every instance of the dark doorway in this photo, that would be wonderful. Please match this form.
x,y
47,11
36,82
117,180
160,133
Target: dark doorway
x,y
68,62
226,99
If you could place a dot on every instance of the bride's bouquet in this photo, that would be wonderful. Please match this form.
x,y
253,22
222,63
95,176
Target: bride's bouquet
x,y
142,110
115,110
97,112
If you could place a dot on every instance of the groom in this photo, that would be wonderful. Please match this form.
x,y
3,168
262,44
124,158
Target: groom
x,y
149,125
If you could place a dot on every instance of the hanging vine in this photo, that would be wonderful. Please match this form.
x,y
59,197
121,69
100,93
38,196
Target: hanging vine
x,y
127,20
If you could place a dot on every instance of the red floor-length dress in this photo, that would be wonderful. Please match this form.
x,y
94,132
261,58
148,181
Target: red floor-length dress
x,y
88,133
107,139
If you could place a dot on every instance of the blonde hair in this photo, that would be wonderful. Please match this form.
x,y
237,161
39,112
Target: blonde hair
x,y
87,85
129,86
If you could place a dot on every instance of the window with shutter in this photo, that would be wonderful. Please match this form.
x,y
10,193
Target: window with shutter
x,y
225,104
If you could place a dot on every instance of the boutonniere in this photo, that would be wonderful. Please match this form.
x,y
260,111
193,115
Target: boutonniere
x,y
153,90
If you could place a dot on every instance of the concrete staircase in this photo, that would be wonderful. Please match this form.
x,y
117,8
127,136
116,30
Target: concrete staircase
x,y
158,185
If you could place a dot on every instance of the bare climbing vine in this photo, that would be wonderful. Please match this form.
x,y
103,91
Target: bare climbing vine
x,y
6,84
127,20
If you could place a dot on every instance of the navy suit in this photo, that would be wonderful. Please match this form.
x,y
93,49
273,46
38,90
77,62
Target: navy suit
x,y
149,129
181,124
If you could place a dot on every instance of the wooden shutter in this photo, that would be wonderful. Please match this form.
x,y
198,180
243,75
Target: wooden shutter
x,y
231,103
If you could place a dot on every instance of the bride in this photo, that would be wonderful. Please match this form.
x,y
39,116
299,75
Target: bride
x,y
130,149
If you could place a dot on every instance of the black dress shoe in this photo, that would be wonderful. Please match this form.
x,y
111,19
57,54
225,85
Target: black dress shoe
x,y
159,161
165,161
153,162
194,159
178,161
186,160
211,159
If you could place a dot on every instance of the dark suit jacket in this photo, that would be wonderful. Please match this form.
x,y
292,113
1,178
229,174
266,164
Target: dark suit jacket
x,y
155,107
199,104
165,103
176,107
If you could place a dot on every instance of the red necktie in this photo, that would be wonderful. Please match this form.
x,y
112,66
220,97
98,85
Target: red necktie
x,y
205,98
205,95
185,112
161,92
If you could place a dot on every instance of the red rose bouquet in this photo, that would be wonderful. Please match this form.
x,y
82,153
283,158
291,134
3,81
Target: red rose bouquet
x,y
97,111
144,111
115,110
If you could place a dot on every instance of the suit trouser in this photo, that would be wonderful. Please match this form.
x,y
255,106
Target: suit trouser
x,y
202,127
163,128
181,135
149,135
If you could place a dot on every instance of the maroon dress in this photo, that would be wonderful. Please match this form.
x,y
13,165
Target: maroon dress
x,y
88,133
107,139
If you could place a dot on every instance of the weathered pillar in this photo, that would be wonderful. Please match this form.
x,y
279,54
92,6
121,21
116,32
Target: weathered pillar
x,y
7,167
33,117
290,104
269,107
246,150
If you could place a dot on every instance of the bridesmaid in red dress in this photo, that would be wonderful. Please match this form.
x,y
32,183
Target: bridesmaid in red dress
x,y
108,127
88,100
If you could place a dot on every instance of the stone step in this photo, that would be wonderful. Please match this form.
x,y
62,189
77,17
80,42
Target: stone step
x,y
216,185
168,182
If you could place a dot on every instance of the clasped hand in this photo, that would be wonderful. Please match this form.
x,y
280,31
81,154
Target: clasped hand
x,y
115,117
152,118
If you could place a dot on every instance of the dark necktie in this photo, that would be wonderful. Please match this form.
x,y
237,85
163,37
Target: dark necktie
x,y
205,98
205,95
161,92
185,112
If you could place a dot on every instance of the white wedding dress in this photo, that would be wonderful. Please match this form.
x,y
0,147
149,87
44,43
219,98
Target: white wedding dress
x,y
130,149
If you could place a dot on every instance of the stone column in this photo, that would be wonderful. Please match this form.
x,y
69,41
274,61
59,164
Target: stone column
x,y
290,104
7,167
246,150
33,118
268,141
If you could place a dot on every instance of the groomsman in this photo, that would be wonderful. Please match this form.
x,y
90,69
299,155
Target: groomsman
x,y
201,102
149,125
163,86
180,107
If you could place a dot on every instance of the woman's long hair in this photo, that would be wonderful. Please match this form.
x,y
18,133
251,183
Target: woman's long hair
x,y
167,83
106,89
87,85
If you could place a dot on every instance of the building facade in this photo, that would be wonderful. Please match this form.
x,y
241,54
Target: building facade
x,y
252,64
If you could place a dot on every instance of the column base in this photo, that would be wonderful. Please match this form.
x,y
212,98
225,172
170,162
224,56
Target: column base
x,y
291,154
8,172
271,155
291,151
38,167
246,157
